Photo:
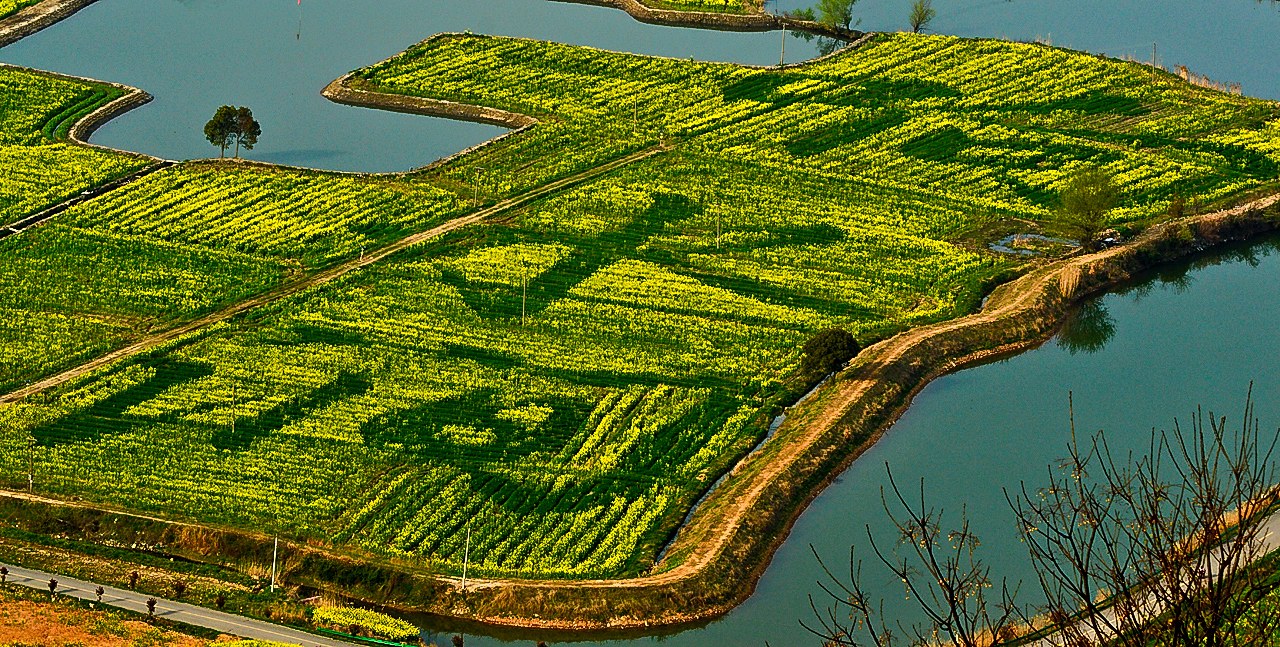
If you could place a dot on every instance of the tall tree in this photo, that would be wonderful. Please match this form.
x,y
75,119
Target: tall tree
x,y
836,13
922,13
247,129
1089,195
221,128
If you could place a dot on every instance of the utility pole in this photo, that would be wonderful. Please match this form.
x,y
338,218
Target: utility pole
x,y
635,114
782,60
475,189
275,551
31,465
233,412
717,229
466,557
524,289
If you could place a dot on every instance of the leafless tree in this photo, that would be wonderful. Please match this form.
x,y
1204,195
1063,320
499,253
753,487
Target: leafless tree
x,y
1130,551
1127,551
941,571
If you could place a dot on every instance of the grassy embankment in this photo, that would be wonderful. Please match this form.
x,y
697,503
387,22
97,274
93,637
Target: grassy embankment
x,y
566,381
714,6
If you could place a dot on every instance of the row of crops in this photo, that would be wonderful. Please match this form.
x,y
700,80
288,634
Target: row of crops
x,y
562,383
39,168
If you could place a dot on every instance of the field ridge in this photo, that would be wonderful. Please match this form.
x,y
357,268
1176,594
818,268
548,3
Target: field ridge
x,y
319,278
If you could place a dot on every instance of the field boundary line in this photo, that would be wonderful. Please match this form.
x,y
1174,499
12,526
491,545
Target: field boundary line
x,y
295,286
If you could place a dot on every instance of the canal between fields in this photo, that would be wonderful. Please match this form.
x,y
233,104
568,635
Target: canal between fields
x,y
1192,335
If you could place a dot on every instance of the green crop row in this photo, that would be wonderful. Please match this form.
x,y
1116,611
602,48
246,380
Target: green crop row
x,y
39,168
310,218
546,394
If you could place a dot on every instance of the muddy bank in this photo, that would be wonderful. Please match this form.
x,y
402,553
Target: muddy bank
x,y
755,21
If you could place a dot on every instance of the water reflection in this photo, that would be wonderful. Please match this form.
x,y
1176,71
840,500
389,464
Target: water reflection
x,y
1088,329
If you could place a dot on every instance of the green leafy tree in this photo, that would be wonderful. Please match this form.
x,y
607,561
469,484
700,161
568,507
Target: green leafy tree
x,y
220,130
1089,195
247,129
836,13
827,351
922,13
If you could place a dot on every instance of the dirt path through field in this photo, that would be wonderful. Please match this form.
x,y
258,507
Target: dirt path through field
x,y
319,278
1020,294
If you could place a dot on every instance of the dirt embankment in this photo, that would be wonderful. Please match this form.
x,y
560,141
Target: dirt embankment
x,y
84,127
754,21
36,17
717,559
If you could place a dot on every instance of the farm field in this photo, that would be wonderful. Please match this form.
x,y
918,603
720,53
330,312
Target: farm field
x,y
181,243
40,167
10,7
564,382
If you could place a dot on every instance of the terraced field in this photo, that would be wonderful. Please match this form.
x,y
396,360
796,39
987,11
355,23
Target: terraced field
x,y
565,381
40,167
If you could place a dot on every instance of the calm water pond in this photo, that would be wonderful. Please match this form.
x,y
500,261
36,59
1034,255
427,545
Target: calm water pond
x,y
276,55
1187,337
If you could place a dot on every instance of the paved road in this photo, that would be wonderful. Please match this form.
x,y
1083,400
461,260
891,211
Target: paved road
x,y
177,611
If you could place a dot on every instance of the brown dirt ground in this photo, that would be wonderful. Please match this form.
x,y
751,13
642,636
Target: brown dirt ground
x,y
27,623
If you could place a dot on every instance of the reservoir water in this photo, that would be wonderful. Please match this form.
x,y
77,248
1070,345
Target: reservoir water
x,y
1191,335
276,55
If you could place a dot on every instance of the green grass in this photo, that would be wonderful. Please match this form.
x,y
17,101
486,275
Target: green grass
x,y
566,381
